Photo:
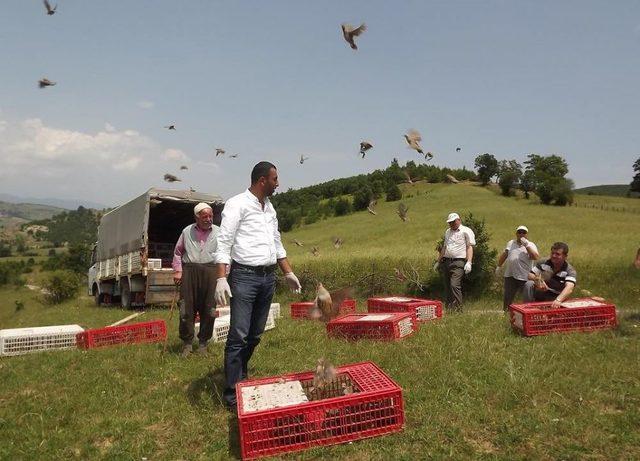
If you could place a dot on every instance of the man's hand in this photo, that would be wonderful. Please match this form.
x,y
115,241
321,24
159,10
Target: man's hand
x,y
556,304
436,267
222,291
177,278
524,242
467,267
498,270
293,282
542,287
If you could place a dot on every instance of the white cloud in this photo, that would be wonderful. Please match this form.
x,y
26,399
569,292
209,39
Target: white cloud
x,y
109,128
146,104
175,154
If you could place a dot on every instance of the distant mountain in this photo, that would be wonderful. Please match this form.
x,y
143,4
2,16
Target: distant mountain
x,y
28,211
614,190
68,204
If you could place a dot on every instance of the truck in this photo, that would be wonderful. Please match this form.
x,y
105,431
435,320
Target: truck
x,y
131,261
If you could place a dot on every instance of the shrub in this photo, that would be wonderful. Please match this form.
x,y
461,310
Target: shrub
x,y
60,286
5,250
509,174
51,252
562,192
362,197
487,166
393,192
343,207
10,273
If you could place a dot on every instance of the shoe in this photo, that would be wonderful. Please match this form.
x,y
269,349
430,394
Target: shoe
x,y
186,350
202,349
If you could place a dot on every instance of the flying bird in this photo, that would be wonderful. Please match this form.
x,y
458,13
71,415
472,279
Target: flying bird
x,y
399,274
409,180
371,207
233,156
315,251
192,189
298,242
184,167
324,376
364,147
413,139
337,242
402,211
171,178
44,82
349,33
458,149
220,151
302,159
452,179
327,305
170,127
50,11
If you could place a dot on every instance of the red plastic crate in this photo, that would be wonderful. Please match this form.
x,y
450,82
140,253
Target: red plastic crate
x,y
532,319
301,310
144,332
425,309
385,326
328,417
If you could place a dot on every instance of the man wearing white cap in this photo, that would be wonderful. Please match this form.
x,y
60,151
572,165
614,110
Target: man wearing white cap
x,y
456,256
519,256
195,272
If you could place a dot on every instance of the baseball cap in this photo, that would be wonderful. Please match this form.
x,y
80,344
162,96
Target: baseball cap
x,y
524,228
452,217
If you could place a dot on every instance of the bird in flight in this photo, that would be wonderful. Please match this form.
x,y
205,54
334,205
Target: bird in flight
x,y
364,147
337,242
324,376
44,82
413,139
315,251
349,33
458,149
408,176
184,167
220,151
170,127
171,178
372,206
233,156
402,211
327,305
302,159
298,242
50,11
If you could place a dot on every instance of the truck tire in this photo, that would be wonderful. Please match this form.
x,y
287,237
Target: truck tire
x,y
125,294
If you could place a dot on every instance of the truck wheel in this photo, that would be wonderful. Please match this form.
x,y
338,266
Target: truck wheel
x,y
125,294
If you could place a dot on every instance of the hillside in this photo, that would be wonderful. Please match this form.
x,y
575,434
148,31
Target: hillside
x,y
614,190
28,211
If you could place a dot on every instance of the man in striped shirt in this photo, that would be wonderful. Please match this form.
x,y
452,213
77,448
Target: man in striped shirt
x,y
553,279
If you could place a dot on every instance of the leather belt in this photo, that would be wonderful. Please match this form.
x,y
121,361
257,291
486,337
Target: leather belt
x,y
254,269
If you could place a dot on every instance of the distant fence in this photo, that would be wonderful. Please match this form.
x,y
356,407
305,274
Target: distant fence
x,y
604,207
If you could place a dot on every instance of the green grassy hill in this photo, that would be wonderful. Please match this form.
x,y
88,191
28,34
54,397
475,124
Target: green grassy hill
x,y
614,190
28,211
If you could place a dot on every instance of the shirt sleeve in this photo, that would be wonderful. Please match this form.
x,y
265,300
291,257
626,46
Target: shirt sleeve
x,y
572,275
231,216
280,251
508,247
176,264
471,237
537,269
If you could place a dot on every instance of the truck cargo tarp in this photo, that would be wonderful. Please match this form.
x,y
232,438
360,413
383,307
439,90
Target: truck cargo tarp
x,y
124,229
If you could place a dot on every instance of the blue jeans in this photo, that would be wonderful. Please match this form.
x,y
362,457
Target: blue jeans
x,y
252,293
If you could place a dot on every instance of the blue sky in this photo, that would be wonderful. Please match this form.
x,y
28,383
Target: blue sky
x,y
273,80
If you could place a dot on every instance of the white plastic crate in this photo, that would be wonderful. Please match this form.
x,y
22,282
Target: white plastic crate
x,y
17,341
154,263
221,327
274,310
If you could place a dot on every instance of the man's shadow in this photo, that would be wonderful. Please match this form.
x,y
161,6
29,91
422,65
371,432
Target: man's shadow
x,y
211,386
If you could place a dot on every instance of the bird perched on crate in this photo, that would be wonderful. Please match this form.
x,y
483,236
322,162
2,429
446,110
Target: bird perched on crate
x,y
402,211
371,207
184,167
171,178
44,82
298,242
349,33
326,306
337,242
220,151
50,11
364,147
315,251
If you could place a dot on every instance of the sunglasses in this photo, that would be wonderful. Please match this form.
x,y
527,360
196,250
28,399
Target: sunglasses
x,y
522,232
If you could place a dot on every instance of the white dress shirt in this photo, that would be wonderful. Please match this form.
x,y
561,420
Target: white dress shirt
x,y
518,263
456,242
248,233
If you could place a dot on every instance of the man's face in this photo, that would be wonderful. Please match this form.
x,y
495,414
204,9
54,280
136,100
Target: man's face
x,y
204,219
270,183
558,257
455,224
520,234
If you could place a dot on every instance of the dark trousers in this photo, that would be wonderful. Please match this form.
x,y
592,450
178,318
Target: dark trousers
x,y
198,291
453,270
531,294
252,293
512,287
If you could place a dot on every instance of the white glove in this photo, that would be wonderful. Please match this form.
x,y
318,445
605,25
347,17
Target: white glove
x,y
524,241
222,290
467,267
498,270
293,282
436,267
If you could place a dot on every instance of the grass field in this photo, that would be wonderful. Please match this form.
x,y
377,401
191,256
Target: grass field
x,y
473,389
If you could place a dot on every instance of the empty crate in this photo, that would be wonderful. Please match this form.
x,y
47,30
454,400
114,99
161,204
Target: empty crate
x,y
17,341
221,327
425,309
143,332
580,314
226,310
384,326
285,413
301,310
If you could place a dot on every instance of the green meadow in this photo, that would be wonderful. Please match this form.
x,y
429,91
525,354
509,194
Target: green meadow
x,y
473,389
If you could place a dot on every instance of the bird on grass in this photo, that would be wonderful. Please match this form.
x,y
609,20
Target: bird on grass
x,y
364,147
50,11
315,251
19,305
298,242
220,151
371,207
402,211
45,82
326,306
170,127
184,167
171,178
337,242
302,159
349,33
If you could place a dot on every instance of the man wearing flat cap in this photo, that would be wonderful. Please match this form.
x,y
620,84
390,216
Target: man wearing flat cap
x,y
195,272
519,256
456,256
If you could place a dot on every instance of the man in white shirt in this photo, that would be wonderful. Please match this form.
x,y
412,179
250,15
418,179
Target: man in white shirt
x,y
519,256
249,249
456,256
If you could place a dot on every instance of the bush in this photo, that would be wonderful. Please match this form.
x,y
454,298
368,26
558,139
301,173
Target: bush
x,y
509,174
10,272
562,192
5,250
393,192
51,252
343,207
487,166
362,197
60,286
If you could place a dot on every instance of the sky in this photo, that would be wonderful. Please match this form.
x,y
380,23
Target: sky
x,y
271,80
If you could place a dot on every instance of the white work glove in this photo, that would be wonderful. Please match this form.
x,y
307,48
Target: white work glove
x,y
293,282
222,290
436,267
498,270
524,241
467,267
